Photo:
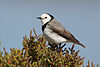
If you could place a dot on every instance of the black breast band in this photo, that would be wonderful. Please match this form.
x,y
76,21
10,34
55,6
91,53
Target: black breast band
x,y
44,26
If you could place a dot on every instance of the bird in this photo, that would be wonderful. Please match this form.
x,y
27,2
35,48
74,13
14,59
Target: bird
x,y
54,32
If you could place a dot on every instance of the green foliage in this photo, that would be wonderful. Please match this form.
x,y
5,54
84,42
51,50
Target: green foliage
x,y
0,43
36,53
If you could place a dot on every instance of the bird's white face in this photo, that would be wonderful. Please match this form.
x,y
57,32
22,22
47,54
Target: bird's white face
x,y
45,18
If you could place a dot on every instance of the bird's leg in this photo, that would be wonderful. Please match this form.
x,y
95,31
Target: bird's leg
x,y
51,46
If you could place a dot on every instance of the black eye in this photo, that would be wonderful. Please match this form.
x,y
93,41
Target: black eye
x,y
45,17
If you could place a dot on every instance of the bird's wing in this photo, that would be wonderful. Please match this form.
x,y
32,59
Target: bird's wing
x,y
60,30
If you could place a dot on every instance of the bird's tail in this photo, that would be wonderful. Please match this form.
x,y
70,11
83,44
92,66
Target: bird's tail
x,y
81,44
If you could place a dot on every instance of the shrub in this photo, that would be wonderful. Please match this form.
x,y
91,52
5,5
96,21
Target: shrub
x,y
36,53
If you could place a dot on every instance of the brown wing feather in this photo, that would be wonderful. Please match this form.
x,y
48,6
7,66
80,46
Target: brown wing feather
x,y
60,30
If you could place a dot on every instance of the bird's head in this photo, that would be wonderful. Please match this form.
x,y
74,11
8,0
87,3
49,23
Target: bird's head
x,y
45,18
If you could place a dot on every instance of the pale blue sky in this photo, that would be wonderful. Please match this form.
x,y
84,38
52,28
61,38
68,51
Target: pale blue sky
x,y
80,17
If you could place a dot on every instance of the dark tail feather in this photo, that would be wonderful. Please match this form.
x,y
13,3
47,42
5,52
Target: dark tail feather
x,y
81,44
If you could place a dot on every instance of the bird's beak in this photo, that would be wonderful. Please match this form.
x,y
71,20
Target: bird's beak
x,y
39,18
